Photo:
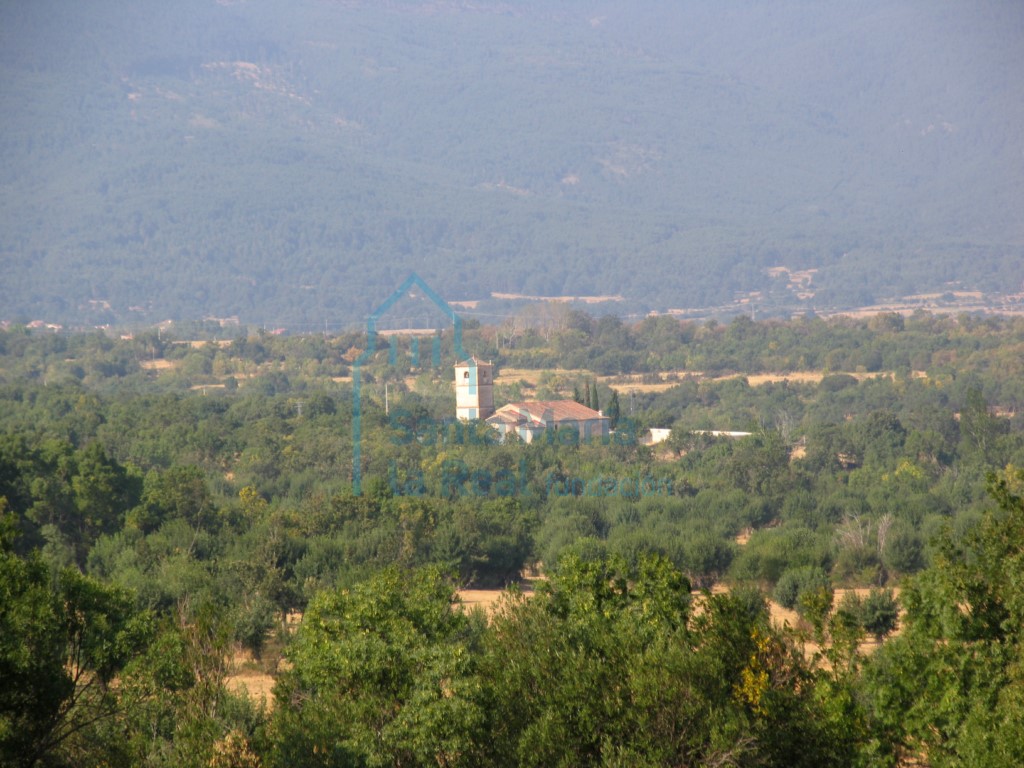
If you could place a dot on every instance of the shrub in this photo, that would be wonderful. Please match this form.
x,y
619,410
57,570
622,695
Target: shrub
x,y
796,582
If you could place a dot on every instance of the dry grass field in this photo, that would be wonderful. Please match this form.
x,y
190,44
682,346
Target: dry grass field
x,y
245,675
159,364
257,685
637,382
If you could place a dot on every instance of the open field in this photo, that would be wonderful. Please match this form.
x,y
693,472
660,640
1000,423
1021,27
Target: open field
x,y
160,364
560,299
966,302
257,685
252,677
800,377
639,382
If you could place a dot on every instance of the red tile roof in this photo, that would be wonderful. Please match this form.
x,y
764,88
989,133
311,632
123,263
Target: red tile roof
x,y
539,411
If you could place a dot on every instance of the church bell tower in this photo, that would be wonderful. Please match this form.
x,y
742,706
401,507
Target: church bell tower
x,y
474,389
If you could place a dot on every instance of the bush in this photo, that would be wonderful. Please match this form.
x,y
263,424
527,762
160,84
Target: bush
x,y
879,613
253,623
796,582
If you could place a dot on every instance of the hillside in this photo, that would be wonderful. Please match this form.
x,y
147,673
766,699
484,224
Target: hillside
x,y
290,165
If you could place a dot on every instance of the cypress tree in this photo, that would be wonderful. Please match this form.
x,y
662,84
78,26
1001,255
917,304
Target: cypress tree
x,y
613,410
594,402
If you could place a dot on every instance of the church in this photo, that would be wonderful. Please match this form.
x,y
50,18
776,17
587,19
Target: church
x,y
474,399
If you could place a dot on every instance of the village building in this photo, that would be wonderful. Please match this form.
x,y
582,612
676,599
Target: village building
x,y
531,419
474,399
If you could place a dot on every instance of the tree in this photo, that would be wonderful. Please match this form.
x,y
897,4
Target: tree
x,y
381,675
978,427
595,403
60,648
797,581
179,493
879,613
559,664
608,665
947,689
174,707
613,410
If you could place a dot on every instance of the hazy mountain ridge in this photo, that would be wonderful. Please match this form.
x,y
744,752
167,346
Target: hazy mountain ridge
x,y
234,159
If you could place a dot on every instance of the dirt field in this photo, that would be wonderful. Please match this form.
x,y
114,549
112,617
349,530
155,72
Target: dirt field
x,y
486,599
158,365
800,377
258,686
636,382
560,299
246,675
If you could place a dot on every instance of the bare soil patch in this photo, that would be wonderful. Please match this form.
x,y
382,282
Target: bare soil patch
x,y
488,599
799,377
158,365
249,677
407,332
583,299
257,686
640,382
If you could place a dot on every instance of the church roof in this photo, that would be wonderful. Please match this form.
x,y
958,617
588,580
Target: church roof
x,y
545,411
471,359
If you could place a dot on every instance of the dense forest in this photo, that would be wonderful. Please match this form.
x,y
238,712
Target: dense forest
x,y
289,165
171,504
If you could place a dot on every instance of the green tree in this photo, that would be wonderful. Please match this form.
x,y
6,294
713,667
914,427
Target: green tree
x,y
60,649
179,493
381,675
795,582
947,689
879,613
610,665
174,707
613,411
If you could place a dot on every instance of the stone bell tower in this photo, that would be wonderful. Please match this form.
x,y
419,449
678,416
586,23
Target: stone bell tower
x,y
474,389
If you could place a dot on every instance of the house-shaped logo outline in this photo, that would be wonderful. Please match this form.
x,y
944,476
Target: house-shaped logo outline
x,y
410,282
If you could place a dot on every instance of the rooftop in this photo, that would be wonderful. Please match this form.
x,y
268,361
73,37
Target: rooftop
x,y
547,410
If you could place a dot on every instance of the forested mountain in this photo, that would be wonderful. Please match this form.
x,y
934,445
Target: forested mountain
x,y
291,163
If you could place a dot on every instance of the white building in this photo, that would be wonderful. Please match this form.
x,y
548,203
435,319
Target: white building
x,y
474,399
474,389
530,419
